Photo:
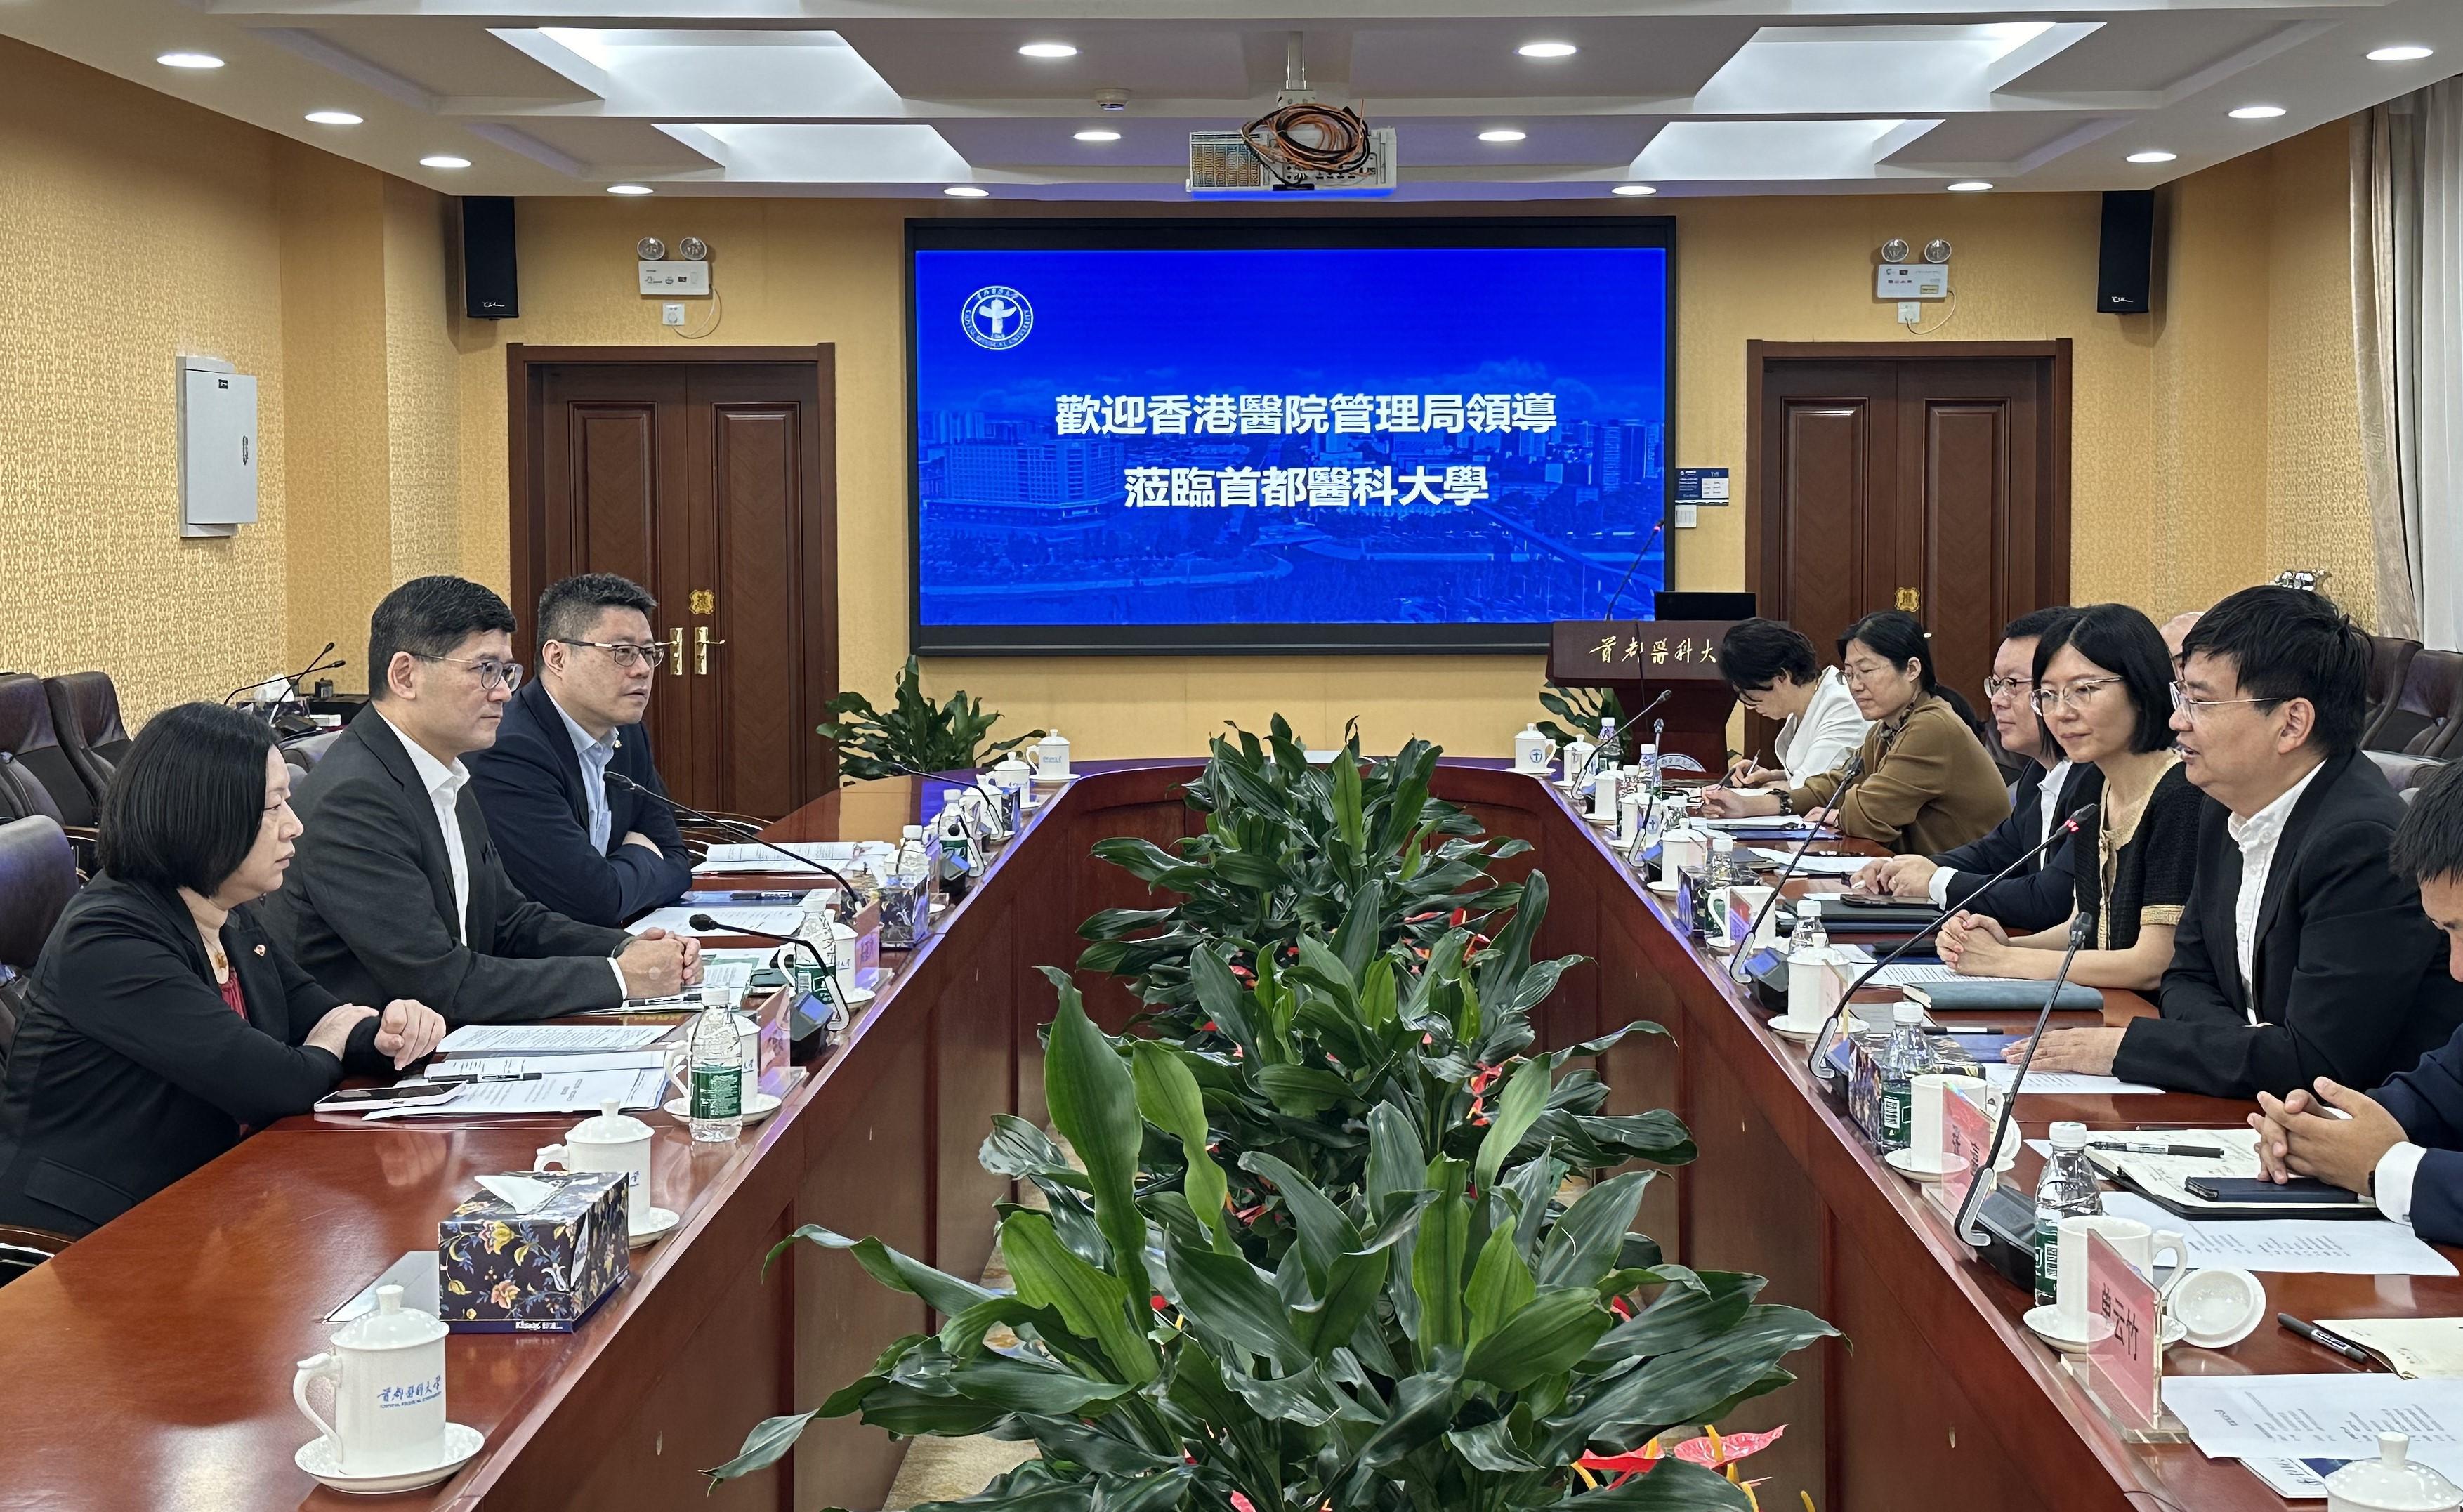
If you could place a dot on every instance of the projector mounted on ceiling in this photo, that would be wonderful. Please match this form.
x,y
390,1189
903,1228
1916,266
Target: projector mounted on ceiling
x,y
1300,146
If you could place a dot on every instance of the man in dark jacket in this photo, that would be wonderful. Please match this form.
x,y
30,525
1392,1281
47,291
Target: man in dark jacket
x,y
396,890
593,846
2042,892
2403,1144
2301,954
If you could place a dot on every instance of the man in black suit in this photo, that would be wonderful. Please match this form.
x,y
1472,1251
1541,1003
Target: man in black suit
x,y
2301,954
2401,1145
397,890
2043,893
600,852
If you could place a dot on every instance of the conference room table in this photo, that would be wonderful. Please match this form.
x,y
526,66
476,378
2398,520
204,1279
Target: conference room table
x,y
149,1364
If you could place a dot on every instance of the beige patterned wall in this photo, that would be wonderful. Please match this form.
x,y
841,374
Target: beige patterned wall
x,y
2213,444
158,229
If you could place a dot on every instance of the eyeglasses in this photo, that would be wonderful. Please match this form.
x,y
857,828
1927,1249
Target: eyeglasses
x,y
2074,696
1867,671
625,654
2196,708
1996,686
493,675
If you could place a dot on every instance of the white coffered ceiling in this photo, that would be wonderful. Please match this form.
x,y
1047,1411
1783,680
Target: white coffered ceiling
x,y
910,96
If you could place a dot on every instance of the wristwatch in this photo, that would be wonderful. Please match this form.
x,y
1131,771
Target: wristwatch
x,y
1786,801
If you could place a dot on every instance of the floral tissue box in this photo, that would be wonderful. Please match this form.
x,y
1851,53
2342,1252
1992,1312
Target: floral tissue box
x,y
539,1271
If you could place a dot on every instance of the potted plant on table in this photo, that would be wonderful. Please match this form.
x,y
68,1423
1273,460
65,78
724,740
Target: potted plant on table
x,y
914,735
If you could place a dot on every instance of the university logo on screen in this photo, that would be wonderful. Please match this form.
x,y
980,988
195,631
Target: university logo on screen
x,y
996,317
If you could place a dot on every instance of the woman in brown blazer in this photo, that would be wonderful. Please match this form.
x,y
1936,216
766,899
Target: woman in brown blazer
x,y
1925,784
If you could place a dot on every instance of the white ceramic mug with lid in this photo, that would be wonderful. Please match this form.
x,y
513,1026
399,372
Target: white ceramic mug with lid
x,y
388,1373
2390,1483
610,1141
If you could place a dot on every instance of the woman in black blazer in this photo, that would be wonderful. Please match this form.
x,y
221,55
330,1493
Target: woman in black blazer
x,y
162,1022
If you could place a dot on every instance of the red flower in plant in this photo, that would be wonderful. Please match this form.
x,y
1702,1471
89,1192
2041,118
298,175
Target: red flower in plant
x,y
1249,1214
1240,1503
1207,1026
1484,1076
1717,1450
1157,1302
1454,920
1421,918
1620,1306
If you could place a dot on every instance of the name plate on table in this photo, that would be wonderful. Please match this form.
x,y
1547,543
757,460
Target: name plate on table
x,y
2124,1365
1966,1143
867,939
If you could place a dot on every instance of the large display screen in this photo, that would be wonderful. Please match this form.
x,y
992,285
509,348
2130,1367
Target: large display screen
x,y
1289,435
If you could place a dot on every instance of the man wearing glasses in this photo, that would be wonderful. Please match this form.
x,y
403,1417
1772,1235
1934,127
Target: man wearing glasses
x,y
600,852
396,890
2301,954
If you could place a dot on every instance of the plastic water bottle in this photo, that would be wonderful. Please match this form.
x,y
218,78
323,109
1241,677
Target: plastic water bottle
x,y
956,849
1903,1060
1645,764
1607,745
2066,1190
714,1096
903,902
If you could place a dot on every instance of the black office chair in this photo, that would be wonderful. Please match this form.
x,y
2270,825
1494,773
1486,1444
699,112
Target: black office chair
x,y
302,754
2426,718
2404,774
37,877
85,716
41,780
2389,663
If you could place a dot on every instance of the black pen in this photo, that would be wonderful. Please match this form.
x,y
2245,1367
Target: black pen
x,y
442,1078
2134,1147
763,897
2326,1340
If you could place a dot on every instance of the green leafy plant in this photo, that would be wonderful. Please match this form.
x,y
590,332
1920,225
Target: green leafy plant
x,y
1291,847
1447,1335
1293,1061
914,733
1581,708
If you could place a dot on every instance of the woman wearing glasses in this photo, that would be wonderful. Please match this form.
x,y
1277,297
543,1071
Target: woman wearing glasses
x,y
2103,691
1777,675
1925,783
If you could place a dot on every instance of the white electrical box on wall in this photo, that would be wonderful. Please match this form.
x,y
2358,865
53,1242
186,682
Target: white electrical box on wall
x,y
1911,280
217,447
675,277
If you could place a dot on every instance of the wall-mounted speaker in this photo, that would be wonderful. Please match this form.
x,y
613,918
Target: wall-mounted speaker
x,y
491,276
2124,273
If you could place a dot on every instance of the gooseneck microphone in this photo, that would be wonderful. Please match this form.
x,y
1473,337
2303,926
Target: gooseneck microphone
x,y
1968,1231
316,663
1610,611
1814,1064
1854,770
846,889
1664,694
709,925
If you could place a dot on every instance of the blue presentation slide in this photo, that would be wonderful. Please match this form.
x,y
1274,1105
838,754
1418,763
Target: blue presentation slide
x,y
1289,436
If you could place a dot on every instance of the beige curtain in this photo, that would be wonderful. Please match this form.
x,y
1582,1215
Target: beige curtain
x,y
2376,303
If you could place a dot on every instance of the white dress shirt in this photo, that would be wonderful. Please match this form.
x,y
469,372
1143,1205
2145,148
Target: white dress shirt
x,y
2048,812
2392,1183
1821,739
2258,836
444,785
594,756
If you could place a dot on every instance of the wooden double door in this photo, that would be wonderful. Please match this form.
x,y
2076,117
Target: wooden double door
x,y
1934,479
707,478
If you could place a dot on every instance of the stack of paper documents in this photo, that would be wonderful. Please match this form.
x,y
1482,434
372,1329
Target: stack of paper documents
x,y
729,920
842,855
2335,1416
550,1038
2411,1347
2316,1246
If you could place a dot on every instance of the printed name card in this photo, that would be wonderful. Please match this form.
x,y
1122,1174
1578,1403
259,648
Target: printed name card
x,y
2125,1363
867,940
1966,1143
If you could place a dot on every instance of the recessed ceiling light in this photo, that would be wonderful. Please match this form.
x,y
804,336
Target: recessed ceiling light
x,y
189,60
1635,188
333,118
2258,112
1047,50
966,191
1502,134
2153,155
444,160
1099,135
629,189
2408,53
1970,187
1547,50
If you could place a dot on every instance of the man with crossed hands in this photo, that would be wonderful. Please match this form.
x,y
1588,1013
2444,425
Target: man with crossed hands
x,y
2401,1145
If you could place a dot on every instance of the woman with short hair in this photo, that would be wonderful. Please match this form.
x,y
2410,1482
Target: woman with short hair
x,y
162,1022
2103,690
1776,674
1922,781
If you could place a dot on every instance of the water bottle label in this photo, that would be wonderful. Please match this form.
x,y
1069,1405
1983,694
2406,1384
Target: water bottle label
x,y
1898,1106
718,1091
2048,1264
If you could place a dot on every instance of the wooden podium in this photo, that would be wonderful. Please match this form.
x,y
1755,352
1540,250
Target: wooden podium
x,y
1641,659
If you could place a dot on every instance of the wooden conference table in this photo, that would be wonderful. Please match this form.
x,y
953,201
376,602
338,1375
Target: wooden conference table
x,y
149,1367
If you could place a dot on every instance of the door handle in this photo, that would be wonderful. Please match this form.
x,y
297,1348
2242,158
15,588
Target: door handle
x,y
702,643
676,652
1908,599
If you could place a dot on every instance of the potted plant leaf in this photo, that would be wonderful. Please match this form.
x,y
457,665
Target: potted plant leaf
x,y
914,733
